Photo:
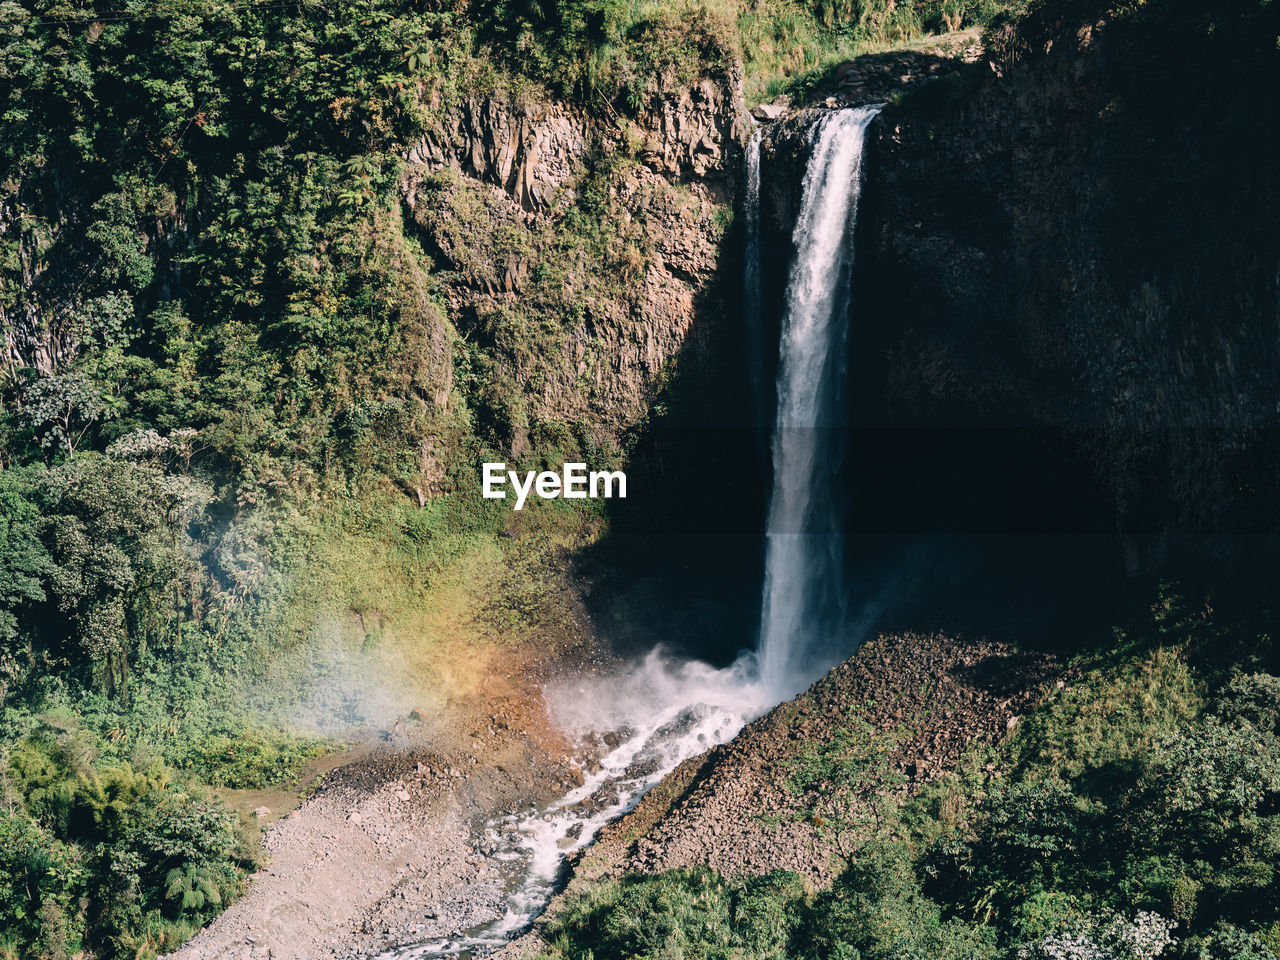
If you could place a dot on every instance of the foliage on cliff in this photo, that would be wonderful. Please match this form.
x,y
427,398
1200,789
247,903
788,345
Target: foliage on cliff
x,y
617,50
223,360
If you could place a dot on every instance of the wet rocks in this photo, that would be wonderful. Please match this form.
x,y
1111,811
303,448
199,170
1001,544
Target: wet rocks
x,y
767,112
615,738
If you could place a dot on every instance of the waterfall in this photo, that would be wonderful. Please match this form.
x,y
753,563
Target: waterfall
x,y
664,711
753,284
661,711
803,615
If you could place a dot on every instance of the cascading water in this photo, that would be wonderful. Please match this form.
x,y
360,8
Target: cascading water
x,y
660,712
753,282
803,614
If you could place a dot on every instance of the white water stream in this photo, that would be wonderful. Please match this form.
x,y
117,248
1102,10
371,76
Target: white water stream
x,y
662,712
803,621
658,713
753,286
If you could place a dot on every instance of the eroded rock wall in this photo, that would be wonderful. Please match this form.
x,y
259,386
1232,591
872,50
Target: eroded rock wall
x,y
1066,291
583,249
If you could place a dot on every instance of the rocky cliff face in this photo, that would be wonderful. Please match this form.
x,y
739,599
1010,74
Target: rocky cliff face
x,y
580,249
1067,315
1072,252
534,150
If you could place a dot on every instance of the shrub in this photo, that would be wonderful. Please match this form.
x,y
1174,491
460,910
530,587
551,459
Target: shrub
x,y
1146,937
1228,941
878,911
686,913
41,880
1253,699
253,758
100,855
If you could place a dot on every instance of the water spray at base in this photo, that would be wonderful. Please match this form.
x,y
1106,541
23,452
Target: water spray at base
x,y
650,717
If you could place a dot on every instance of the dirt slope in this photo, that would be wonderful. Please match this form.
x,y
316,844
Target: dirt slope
x,y
731,809
383,852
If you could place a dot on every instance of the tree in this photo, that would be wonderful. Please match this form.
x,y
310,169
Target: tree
x,y
194,887
24,565
61,408
117,529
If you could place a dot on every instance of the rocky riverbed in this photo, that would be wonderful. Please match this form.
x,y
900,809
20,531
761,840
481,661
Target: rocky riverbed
x,y
405,846
385,851
736,809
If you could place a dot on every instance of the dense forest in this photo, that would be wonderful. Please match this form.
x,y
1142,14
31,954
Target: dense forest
x,y
244,407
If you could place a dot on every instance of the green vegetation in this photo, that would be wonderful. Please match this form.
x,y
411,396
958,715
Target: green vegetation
x,y
225,388
1134,814
624,51
104,855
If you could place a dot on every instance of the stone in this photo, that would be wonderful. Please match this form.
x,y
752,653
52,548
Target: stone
x,y
517,165
402,796
261,812
768,112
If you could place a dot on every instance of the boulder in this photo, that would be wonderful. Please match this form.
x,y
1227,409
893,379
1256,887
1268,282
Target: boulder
x,y
768,112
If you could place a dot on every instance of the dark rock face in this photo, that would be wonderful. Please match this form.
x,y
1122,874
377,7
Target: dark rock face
x,y
877,77
1038,257
1067,303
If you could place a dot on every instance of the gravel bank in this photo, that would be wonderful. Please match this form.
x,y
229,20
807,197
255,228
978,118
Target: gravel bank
x,y
383,853
730,809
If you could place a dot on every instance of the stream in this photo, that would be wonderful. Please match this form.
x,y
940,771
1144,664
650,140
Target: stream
x,y
649,719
